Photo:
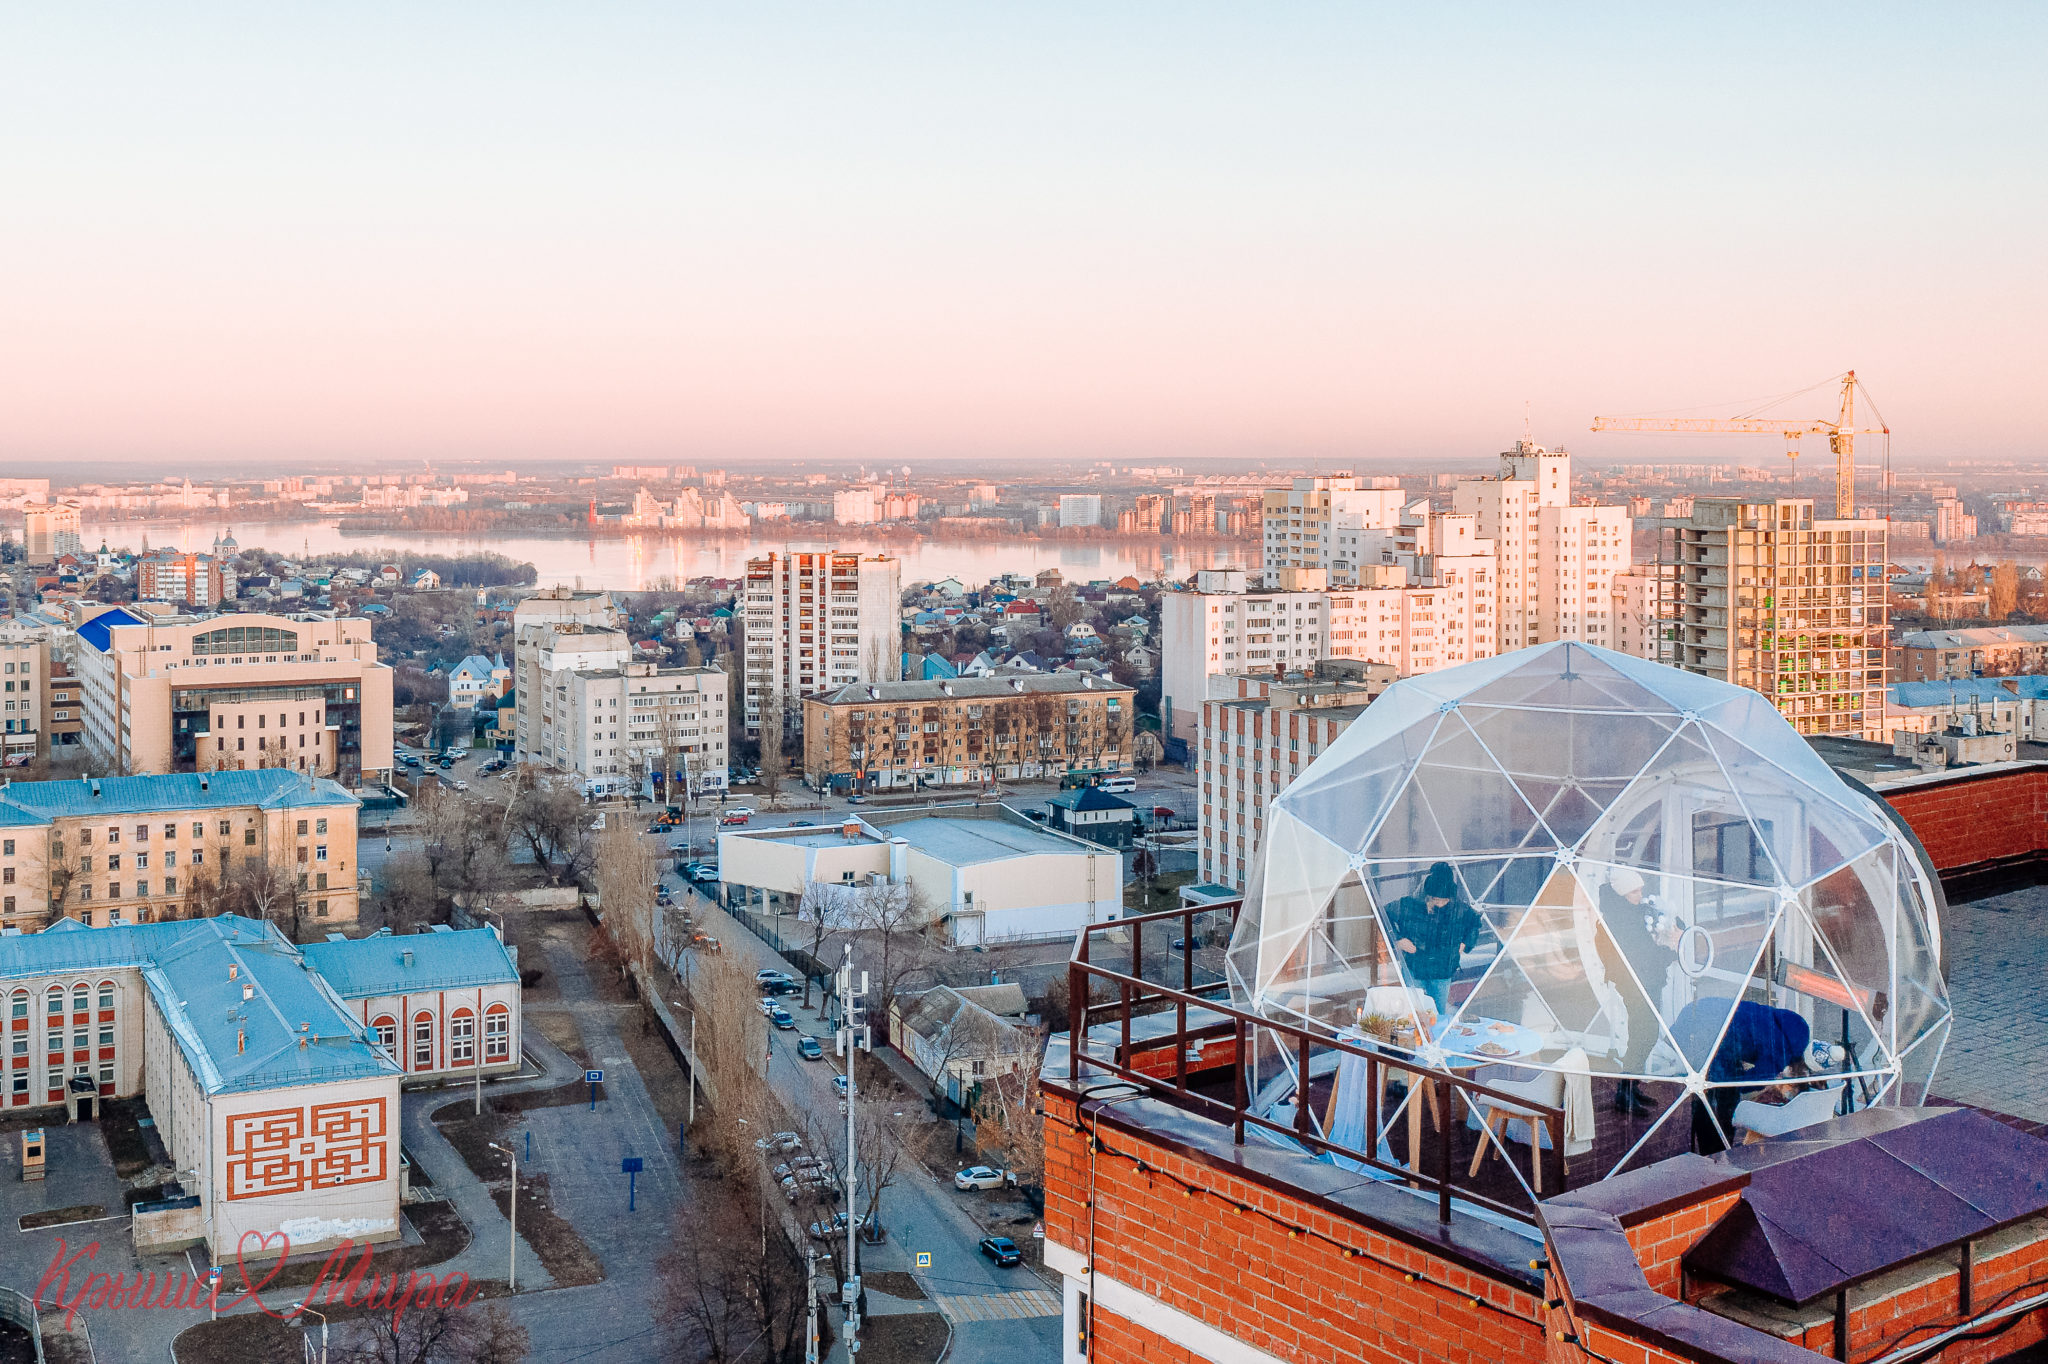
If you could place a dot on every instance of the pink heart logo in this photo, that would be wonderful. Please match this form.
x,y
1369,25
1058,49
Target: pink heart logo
x,y
253,1288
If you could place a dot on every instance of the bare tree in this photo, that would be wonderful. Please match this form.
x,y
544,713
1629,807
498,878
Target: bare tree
x,y
408,896
774,741
263,888
1008,1124
2004,590
819,905
427,1333
732,1287
894,920
627,872
549,819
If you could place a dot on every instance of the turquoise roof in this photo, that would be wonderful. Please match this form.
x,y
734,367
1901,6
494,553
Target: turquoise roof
x,y
248,1011
1961,691
38,802
364,968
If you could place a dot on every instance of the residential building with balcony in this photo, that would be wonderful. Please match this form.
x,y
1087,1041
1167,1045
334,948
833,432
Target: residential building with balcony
x,y
816,621
1557,558
193,580
25,675
963,731
636,728
50,530
1324,522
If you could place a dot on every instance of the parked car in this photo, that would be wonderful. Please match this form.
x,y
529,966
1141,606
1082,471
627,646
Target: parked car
x,y
769,1008
462,786
1185,944
978,1177
825,1231
839,1084
1164,812
736,817
743,811
766,974
1035,816
781,1018
802,824
800,1165
662,897
1117,786
1002,1250
856,799
782,1143
809,1049
705,874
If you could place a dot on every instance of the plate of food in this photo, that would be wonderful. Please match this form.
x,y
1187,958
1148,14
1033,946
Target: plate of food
x,y
1500,1027
1494,1049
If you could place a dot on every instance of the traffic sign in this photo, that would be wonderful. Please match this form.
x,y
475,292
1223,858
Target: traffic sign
x,y
1038,1230
593,1077
924,1259
630,1166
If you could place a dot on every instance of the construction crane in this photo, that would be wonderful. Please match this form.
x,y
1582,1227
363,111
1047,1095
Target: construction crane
x,y
1841,433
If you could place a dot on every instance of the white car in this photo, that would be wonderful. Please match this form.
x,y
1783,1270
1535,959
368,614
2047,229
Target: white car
x,y
978,1177
743,811
462,786
782,1143
768,1006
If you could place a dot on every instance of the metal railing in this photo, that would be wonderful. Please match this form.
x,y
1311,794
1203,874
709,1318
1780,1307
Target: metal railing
x,y
1138,997
16,1307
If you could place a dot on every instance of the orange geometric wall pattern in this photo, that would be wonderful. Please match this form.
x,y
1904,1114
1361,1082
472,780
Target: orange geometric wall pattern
x,y
292,1150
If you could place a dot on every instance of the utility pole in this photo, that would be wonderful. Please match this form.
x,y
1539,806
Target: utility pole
x,y
811,1306
853,1037
512,1252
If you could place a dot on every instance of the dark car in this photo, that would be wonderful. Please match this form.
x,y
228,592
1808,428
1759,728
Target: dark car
x,y
782,1018
809,1049
1002,1250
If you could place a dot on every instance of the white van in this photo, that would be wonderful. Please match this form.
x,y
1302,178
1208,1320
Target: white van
x,y
1116,786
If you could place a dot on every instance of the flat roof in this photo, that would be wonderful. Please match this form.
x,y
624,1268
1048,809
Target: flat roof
x,y
965,842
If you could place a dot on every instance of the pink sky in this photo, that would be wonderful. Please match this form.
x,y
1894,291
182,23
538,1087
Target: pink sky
x,y
1173,231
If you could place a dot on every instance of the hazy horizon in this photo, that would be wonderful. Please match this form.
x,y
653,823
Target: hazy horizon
x,y
249,237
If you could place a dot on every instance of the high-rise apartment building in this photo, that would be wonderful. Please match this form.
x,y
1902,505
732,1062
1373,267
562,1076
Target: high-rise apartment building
x,y
234,693
1767,596
1080,509
1259,732
1636,625
1952,524
816,620
1417,610
50,530
547,657
1557,559
859,506
1329,523
185,579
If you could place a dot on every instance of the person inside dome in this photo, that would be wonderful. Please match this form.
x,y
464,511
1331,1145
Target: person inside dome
x,y
1637,951
1432,931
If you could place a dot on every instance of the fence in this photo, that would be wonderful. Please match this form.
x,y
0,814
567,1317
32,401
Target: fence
x,y
16,1307
1137,997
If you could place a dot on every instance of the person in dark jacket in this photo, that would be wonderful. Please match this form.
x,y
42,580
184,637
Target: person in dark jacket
x,y
1432,931
1760,1043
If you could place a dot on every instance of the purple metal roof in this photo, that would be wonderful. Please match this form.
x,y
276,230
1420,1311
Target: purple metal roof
x,y
1820,1214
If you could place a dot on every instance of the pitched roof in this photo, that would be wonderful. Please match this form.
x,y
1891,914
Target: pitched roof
x,y
274,788
244,1006
1090,798
362,968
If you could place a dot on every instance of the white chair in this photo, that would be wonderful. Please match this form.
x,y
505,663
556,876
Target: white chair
x,y
1803,1109
1546,1089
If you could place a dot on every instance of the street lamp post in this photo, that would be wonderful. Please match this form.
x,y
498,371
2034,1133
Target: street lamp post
x,y
511,1251
302,1307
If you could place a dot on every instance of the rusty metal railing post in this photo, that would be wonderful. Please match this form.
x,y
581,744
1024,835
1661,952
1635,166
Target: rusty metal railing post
x,y
1301,1099
1123,992
1243,1098
1443,1127
1187,952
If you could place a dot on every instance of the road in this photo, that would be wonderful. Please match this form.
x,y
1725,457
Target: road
x,y
921,1212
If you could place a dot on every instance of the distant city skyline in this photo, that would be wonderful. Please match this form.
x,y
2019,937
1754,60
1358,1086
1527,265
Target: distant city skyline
x,y
259,238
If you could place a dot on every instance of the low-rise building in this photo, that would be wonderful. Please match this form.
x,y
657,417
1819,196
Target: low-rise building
x,y
270,1098
966,730
179,693
981,874
442,1004
145,849
1985,651
1094,814
476,677
962,1039
25,674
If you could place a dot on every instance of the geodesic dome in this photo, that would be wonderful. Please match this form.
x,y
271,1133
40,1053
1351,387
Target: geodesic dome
x,y
1641,850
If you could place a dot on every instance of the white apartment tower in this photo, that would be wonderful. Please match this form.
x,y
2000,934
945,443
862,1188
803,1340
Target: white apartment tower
x,y
1557,560
639,728
816,620
1324,522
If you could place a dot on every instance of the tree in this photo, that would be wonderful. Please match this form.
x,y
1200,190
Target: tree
x,y
1062,609
549,819
627,872
774,741
732,1287
261,888
427,1333
408,896
1008,1126
2005,590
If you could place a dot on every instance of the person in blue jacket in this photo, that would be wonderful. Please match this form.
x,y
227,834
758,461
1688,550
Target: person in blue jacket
x,y
1760,1043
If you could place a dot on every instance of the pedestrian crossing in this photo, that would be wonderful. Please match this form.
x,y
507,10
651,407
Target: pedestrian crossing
x,y
1030,1302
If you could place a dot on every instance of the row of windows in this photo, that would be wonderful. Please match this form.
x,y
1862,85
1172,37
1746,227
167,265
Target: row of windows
x,y
461,1037
81,998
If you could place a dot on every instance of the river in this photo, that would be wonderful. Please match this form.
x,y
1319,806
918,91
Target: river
x,y
640,562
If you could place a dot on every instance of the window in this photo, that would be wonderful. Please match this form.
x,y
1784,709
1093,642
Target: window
x,y
386,1031
319,909
113,835
462,1039
302,828
20,1083
21,1044
319,826
106,994
142,861
199,828
56,1000
423,1042
20,1004
170,885
80,997
106,1076
80,1039
249,837
7,847
320,852
142,833
225,828
106,1034
171,831
497,1033
113,890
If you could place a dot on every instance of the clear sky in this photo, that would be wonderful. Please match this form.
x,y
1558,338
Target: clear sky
x,y
1164,230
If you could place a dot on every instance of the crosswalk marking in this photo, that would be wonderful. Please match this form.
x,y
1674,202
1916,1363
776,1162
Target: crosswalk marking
x,y
1029,1302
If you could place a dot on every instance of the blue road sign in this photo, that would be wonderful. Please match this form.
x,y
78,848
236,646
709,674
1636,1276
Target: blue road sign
x,y
631,1165
924,1259
593,1077
630,1168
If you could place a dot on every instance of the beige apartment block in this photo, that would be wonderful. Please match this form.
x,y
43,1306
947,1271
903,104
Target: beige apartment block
x,y
1324,522
638,728
146,849
1767,596
235,693
966,730
25,678
50,530
1259,733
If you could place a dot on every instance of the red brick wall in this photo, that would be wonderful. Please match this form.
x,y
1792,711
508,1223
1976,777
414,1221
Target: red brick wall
x,y
1661,1242
1970,820
1299,1297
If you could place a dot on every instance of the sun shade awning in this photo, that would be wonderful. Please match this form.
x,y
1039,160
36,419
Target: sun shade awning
x,y
1862,1197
